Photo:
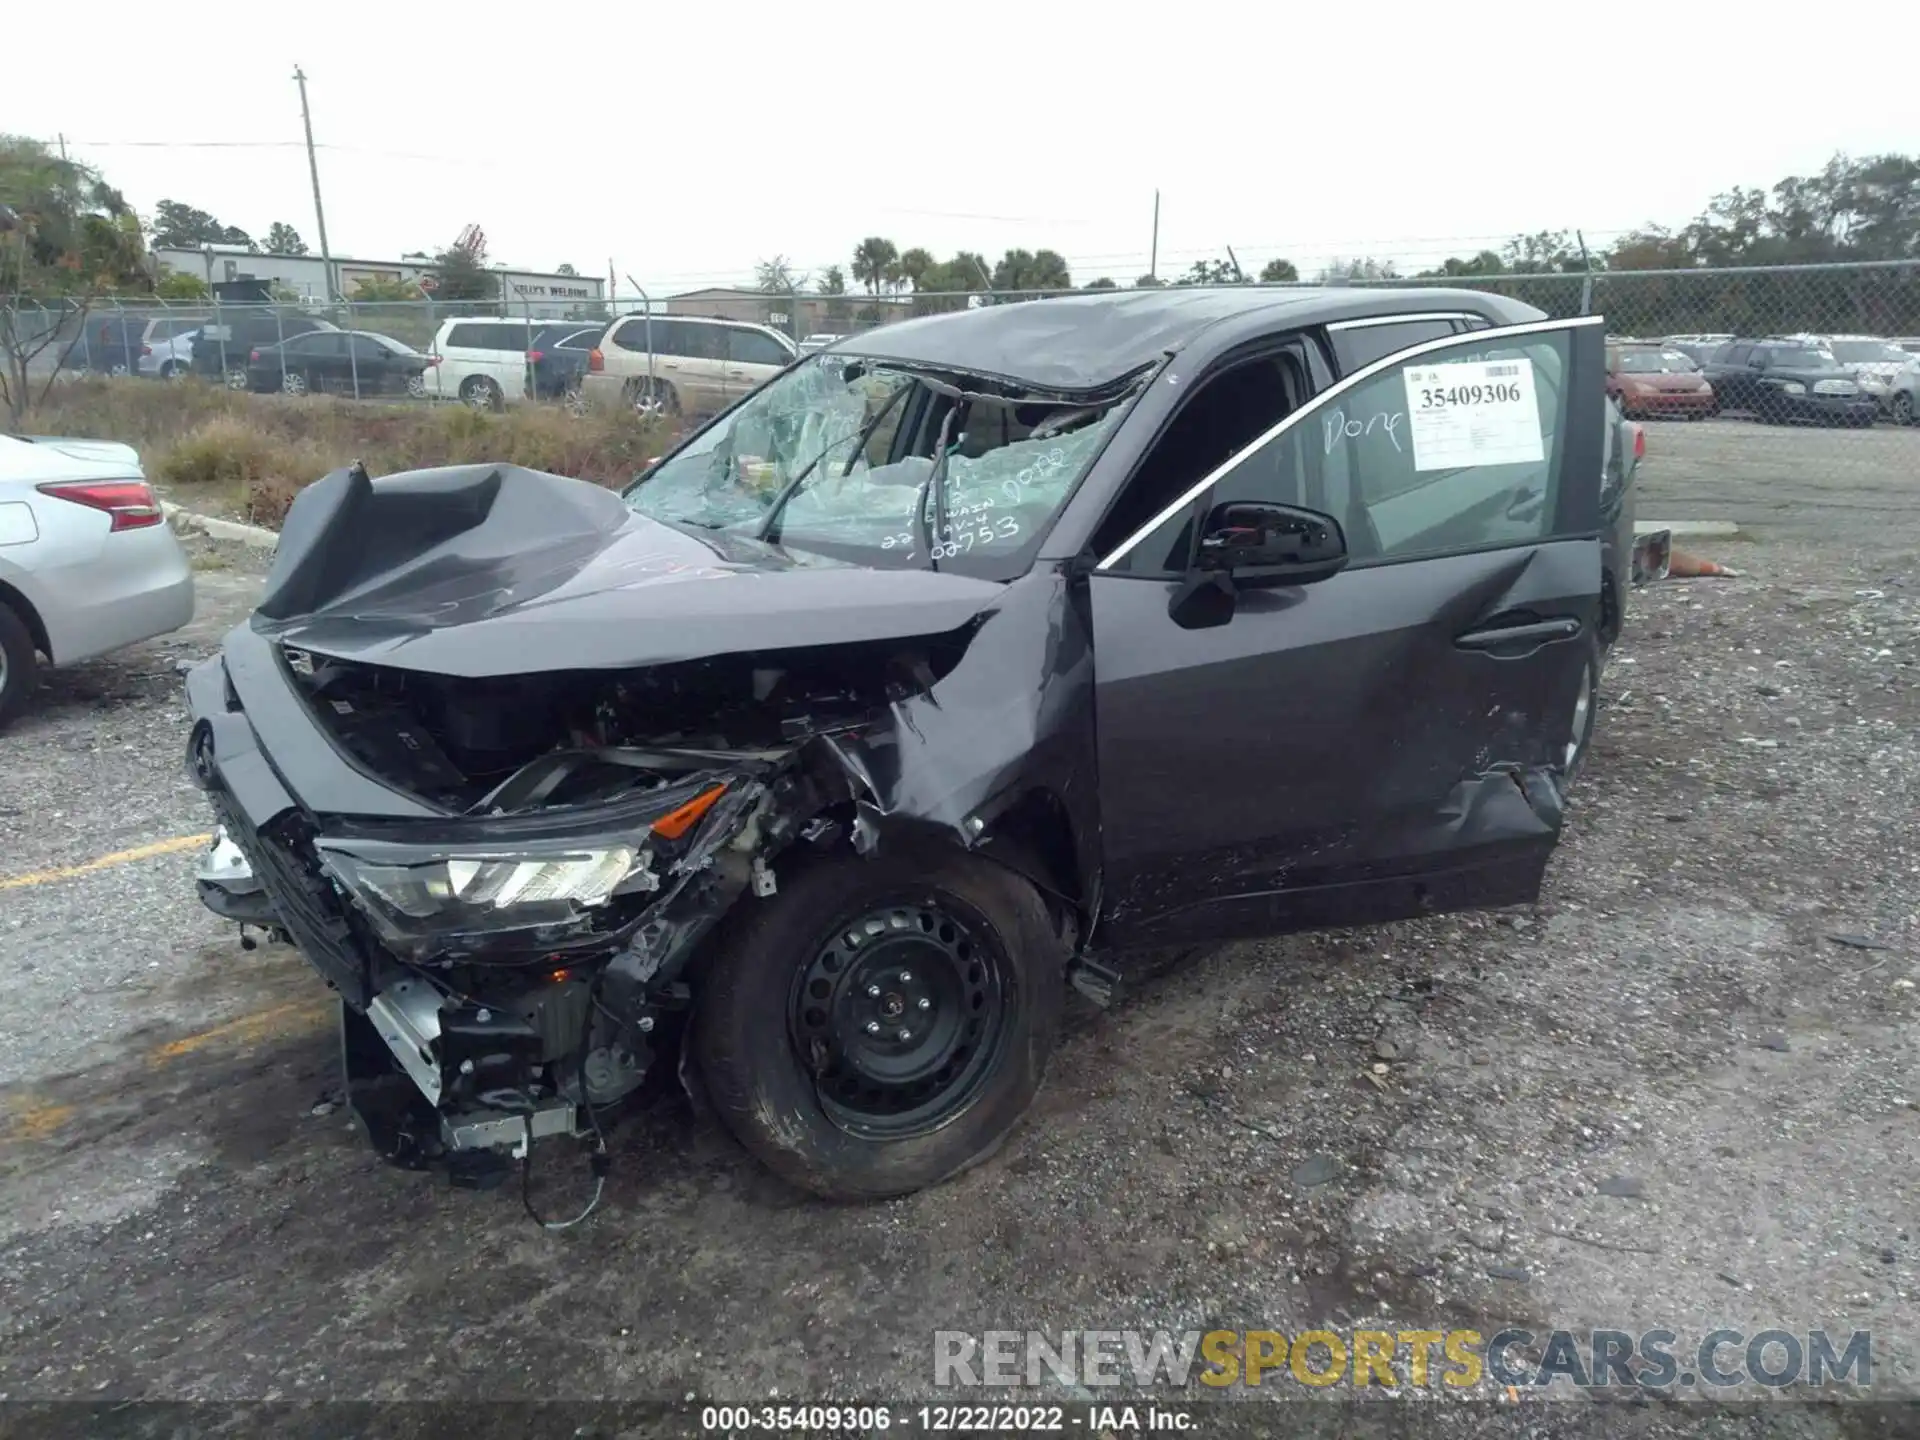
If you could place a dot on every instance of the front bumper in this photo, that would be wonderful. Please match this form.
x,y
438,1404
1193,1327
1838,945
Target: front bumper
x,y
463,1067
1834,409
1668,402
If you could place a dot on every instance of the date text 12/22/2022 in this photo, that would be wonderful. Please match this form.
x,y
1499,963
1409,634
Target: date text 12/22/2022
x,y
942,1419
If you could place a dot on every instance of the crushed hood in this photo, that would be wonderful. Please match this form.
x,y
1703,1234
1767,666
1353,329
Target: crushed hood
x,y
477,570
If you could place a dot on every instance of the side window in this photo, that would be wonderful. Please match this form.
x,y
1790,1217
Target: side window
x,y
632,335
320,344
667,336
1734,354
1454,450
366,348
1358,346
699,342
750,347
1229,411
465,337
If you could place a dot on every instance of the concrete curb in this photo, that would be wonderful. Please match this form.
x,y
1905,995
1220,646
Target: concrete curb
x,y
1687,527
255,535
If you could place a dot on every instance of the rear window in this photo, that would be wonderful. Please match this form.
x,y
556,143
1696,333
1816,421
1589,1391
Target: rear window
x,y
1360,346
487,335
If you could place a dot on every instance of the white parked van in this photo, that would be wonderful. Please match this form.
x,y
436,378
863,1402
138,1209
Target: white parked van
x,y
481,360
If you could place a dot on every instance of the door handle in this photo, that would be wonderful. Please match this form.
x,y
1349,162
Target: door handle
x,y
1537,633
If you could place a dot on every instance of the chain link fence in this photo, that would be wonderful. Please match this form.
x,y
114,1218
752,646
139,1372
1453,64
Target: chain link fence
x,y
1861,319
266,346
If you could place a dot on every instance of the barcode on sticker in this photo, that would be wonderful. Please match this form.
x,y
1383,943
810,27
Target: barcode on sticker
x,y
1497,370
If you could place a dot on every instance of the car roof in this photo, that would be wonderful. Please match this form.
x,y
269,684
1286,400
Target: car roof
x,y
1087,341
698,320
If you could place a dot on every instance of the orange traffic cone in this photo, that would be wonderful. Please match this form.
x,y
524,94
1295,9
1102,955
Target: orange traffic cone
x,y
1682,566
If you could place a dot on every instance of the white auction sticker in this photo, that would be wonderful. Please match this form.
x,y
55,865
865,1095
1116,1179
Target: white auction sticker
x,y
1475,412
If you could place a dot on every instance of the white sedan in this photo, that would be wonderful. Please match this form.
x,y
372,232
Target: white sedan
x,y
88,563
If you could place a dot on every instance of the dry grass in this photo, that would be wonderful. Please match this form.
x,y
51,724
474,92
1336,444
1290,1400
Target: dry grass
x,y
249,455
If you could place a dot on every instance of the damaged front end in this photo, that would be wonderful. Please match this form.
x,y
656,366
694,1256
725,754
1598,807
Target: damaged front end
x,y
513,958
501,804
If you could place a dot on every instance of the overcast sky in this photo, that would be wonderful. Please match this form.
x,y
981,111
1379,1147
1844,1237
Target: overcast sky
x,y
687,141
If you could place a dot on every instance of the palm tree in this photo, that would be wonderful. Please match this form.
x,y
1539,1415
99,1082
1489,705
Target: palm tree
x,y
913,265
872,258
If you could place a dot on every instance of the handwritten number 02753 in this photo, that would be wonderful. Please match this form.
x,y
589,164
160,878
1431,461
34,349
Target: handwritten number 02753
x,y
984,533
1469,395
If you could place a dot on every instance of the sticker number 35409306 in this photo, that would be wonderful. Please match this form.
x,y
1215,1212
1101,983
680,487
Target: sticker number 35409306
x,y
1476,412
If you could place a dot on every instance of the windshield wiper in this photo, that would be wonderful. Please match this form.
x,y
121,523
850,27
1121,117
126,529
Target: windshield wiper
x,y
792,487
935,486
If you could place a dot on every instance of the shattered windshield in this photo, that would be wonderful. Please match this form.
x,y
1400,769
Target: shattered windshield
x,y
838,455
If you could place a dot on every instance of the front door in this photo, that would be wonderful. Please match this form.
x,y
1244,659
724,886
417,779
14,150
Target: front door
x,y
1390,741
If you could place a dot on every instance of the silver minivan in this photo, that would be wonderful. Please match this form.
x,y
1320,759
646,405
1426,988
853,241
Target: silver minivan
x,y
683,364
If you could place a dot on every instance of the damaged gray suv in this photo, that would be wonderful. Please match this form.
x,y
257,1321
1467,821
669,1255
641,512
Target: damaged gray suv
x,y
964,661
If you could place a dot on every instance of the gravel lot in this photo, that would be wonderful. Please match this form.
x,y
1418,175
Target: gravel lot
x,y
1416,1126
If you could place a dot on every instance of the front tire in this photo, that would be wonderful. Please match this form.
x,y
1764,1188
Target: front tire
x,y
1586,707
482,394
880,1025
653,399
293,383
19,665
238,379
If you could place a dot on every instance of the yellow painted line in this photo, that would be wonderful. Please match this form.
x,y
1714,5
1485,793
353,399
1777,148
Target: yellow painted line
x,y
107,862
37,1119
299,1015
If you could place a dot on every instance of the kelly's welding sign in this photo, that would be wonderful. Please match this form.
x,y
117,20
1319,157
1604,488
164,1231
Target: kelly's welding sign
x,y
1473,412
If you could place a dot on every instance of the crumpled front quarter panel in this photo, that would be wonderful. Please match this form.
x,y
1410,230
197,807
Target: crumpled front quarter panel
x,y
1010,726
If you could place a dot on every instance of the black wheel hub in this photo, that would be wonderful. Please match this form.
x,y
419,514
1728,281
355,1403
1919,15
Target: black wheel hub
x,y
900,1015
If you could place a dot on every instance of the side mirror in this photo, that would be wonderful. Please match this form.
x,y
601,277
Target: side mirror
x,y
1260,544
1248,545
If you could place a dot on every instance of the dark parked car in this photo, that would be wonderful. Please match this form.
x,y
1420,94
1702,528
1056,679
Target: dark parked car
x,y
558,356
106,345
1781,380
979,655
345,362
1653,379
221,347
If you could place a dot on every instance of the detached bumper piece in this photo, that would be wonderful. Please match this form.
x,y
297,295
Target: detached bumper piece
x,y
461,1087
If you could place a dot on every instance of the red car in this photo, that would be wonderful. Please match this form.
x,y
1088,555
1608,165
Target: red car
x,y
1657,380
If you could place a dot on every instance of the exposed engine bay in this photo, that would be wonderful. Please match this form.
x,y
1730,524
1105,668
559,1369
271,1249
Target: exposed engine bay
x,y
510,971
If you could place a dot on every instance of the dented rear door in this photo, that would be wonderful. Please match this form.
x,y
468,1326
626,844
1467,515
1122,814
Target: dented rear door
x,y
1391,741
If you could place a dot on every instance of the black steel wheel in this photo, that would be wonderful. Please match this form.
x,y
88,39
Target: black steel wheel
x,y
901,1012
880,1024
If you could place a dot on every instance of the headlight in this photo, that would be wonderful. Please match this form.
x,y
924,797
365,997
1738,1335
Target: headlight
x,y
409,893
1874,383
413,891
1793,387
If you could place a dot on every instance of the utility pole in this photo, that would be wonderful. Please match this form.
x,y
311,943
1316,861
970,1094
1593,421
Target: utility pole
x,y
63,147
1153,258
313,169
